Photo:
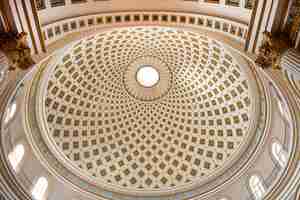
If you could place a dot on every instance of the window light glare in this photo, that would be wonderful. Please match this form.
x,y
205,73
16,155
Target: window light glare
x,y
279,154
147,76
257,187
10,112
15,157
40,188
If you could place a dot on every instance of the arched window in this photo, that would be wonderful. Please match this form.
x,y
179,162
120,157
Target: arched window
x,y
257,187
40,188
10,112
279,153
16,156
280,104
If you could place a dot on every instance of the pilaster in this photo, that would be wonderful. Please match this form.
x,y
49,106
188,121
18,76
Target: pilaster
x,y
268,15
25,17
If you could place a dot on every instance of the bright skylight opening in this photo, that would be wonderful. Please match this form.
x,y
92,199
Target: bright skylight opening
x,y
147,76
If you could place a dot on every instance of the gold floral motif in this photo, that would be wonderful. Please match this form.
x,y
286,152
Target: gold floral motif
x,y
269,53
16,48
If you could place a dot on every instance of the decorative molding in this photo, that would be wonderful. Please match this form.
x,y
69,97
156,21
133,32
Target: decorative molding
x,y
57,30
37,25
17,51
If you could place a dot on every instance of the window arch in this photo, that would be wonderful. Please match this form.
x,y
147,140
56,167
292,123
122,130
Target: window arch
x,y
279,153
40,188
16,156
10,112
280,103
257,187
284,111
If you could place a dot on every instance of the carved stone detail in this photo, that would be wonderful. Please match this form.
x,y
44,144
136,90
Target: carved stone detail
x,y
269,53
17,50
295,28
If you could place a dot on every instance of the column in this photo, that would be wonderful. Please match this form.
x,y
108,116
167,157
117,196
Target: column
x,y
6,21
267,15
242,3
26,19
48,4
297,44
3,23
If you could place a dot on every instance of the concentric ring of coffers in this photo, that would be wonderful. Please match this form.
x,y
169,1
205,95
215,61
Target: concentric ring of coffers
x,y
191,135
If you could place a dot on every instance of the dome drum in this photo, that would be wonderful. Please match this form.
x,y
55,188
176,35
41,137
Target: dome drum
x,y
151,112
